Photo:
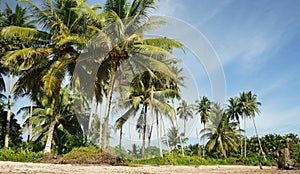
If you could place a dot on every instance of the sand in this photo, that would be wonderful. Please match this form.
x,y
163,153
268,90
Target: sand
x,y
18,167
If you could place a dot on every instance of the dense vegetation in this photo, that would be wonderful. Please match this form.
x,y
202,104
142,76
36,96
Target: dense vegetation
x,y
41,46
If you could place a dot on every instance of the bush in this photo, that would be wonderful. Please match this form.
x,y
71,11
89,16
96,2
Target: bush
x,y
20,155
88,155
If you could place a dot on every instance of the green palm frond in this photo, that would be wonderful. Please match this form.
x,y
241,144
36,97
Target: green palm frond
x,y
25,34
165,43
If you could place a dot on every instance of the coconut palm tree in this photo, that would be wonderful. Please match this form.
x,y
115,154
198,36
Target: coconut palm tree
x,y
223,135
249,107
203,107
19,18
234,113
147,90
174,137
129,21
184,111
53,53
67,131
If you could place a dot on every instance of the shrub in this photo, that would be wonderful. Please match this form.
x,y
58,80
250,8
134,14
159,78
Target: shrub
x,y
19,155
88,155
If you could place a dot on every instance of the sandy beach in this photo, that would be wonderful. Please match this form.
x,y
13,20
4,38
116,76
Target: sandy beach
x,y
18,167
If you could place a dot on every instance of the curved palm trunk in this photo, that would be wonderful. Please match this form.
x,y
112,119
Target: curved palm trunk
x,y
104,143
8,111
158,134
258,139
53,122
165,132
245,138
144,132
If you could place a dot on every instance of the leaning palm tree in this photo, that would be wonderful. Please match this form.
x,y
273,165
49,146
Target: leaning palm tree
x,y
203,107
66,124
53,51
184,111
255,110
18,18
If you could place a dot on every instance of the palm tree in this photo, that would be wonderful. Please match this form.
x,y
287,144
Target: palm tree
x,y
184,111
223,135
20,19
234,113
67,128
130,20
203,107
249,107
174,137
53,53
147,90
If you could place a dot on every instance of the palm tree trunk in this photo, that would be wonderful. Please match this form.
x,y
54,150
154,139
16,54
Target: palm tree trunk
x,y
165,132
130,139
53,122
245,138
182,152
184,124
144,132
91,119
8,110
120,141
107,108
149,135
30,115
204,141
100,125
261,149
198,138
241,143
158,133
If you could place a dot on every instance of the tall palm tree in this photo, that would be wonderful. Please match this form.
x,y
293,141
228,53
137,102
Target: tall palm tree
x,y
19,18
223,135
53,51
234,113
184,111
130,19
203,107
249,107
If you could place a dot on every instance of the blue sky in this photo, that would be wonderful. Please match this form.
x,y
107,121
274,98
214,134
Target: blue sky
x,y
258,45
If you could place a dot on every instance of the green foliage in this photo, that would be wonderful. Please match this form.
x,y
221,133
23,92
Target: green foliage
x,y
176,158
15,133
20,155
